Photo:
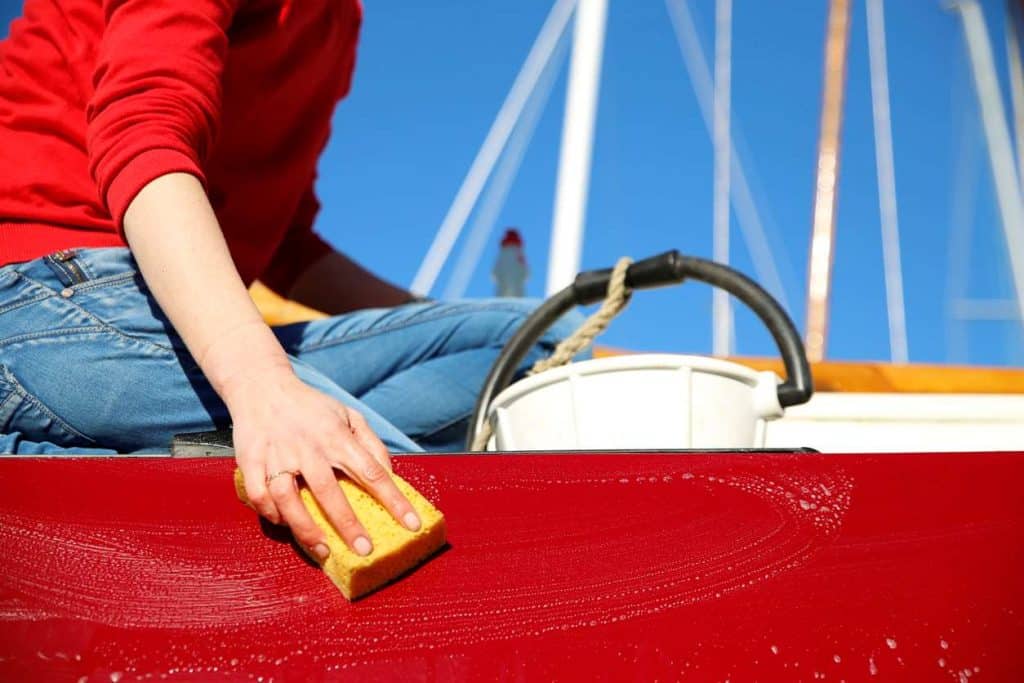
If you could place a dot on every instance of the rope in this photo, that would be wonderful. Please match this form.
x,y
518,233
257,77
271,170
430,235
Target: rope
x,y
615,300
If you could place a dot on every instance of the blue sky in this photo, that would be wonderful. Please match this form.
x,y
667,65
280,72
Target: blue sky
x,y
432,75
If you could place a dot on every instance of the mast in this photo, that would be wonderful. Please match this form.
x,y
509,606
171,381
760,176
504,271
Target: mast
x,y
819,278
721,311
577,143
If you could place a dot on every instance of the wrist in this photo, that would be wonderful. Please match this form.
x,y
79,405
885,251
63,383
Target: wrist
x,y
241,356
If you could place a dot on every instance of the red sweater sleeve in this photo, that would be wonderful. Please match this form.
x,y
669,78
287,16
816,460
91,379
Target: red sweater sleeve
x,y
300,248
156,104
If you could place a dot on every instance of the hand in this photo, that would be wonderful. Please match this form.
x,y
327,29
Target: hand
x,y
281,425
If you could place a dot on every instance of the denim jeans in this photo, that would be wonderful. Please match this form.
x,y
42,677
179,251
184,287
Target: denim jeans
x,y
89,363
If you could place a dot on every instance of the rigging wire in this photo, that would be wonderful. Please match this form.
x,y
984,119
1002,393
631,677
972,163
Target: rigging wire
x,y
497,191
747,213
498,135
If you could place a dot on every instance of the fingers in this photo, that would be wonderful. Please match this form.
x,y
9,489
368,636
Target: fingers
x,y
255,477
369,473
324,485
367,439
285,493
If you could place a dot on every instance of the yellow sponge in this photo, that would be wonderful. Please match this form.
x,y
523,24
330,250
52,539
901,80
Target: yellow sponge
x,y
396,550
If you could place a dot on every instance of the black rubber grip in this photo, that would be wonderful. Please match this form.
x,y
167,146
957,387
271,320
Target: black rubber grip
x,y
657,271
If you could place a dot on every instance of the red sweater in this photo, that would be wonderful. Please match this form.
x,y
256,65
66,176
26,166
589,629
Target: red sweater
x,y
99,97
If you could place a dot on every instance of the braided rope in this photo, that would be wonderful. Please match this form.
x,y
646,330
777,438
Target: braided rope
x,y
615,300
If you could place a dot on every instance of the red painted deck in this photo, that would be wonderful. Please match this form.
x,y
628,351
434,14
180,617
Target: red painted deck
x,y
740,568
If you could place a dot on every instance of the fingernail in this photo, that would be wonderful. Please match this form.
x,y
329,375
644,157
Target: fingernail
x,y
362,546
412,522
321,551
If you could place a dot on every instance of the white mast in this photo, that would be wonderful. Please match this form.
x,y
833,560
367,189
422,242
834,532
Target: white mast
x,y
886,182
577,142
493,144
997,139
721,311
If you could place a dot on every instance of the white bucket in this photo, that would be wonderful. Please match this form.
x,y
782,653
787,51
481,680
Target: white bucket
x,y
657,401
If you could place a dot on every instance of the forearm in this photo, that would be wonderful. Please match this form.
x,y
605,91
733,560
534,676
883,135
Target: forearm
x,y
336,284
181,252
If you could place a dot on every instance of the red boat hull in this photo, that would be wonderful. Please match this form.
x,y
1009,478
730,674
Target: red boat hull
x,y
639,566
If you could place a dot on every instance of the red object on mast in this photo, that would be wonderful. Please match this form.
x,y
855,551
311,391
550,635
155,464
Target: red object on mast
x,y
572,566
512,238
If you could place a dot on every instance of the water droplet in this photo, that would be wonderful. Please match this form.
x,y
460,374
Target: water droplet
x,y
116,676
836,658
942,663
891,642
943,644
872,667
775,650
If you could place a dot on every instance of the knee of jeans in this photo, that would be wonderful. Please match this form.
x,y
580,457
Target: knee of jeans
x,y
513,312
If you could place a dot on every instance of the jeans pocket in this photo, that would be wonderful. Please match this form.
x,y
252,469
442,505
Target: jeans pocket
x,y
22,412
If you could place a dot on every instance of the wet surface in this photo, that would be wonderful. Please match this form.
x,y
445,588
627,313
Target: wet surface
x,y
706,567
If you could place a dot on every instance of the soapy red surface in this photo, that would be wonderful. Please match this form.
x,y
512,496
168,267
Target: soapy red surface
x,y
625,566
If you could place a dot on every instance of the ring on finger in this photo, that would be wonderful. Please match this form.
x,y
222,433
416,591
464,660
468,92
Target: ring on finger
x,y
292,473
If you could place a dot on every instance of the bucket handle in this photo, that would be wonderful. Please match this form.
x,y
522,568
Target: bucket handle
x,y
657,271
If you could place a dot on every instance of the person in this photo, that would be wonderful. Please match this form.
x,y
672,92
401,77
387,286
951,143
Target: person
x,y
156,157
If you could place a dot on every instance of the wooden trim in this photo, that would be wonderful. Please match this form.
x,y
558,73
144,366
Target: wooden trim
x,y
915,378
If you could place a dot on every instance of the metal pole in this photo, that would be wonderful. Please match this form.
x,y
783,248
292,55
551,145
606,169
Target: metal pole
x,y
819,278
997,139
886,182
721,312
494,143
577,143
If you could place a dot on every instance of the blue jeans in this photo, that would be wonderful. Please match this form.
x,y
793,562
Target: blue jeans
x,y
89,363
